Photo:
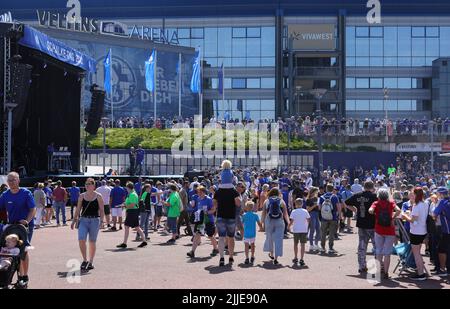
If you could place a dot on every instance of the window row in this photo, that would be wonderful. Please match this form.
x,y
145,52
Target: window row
x,y
241,62
378,32
245,83
387,82
381,105
244,105
389,61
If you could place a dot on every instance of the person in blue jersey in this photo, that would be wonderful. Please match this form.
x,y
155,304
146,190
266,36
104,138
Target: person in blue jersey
x,y
329,217
74,193
117,198
20,207
443,211
140,154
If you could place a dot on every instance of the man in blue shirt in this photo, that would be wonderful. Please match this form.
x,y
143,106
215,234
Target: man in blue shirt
x,y
329,226
443,211
205,204
117,198
19,204
140,153
138,186
74,193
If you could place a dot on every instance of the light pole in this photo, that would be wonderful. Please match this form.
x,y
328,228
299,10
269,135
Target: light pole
x,y
385,98
318,94
432,142
10,107
104,120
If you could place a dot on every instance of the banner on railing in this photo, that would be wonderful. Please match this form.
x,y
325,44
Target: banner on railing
x,y
418,147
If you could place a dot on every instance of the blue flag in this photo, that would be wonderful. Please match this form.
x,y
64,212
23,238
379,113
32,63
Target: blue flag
x,y
196,86
247,115
107,76
220,77
150,72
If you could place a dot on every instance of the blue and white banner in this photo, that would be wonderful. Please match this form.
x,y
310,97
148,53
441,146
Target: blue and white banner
x,y
107,67
196,85
52,47
150,78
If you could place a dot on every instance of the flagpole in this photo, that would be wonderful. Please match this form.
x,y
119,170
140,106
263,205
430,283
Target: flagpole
x,y
179,85
112,91
201,90
223,85
154,89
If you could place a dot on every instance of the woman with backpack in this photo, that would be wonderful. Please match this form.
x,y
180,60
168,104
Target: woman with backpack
x,y
274,211
418,230
385,211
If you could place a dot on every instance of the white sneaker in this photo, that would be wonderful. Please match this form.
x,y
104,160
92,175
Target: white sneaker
x,y
321,250
312,248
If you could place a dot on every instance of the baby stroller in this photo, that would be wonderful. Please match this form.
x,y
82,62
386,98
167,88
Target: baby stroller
x,y
403,250
7,275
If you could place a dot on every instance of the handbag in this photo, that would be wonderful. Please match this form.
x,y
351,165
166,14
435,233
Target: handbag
x,y
77,224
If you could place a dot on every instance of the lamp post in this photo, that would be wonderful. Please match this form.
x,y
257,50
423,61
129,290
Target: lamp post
x,y
385,98
10,107
432,142
104,120
318,94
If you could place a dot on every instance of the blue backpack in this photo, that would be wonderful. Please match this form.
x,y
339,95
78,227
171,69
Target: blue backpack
x,y
274,209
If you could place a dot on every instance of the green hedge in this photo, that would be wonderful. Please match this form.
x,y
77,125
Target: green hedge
x,y
162,139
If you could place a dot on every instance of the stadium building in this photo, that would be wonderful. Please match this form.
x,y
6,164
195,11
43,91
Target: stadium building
x,y
274,52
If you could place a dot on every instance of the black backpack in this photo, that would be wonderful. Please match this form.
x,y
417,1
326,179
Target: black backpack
x,y
274,209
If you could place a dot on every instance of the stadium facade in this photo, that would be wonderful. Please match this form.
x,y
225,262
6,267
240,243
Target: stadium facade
x,y
268,75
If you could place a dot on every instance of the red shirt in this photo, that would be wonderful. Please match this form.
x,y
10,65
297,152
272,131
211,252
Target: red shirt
x,y
383,230
59,194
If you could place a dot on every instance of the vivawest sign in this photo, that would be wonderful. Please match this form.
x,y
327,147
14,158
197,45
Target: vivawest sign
x,y
312,37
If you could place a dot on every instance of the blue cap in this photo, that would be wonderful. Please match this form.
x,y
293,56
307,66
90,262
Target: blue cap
x,y
442,190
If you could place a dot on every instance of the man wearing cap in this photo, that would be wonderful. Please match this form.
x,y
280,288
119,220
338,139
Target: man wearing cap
x,y
443,211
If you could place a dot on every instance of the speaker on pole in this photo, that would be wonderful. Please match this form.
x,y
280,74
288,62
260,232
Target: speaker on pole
x,y
20,86
96,110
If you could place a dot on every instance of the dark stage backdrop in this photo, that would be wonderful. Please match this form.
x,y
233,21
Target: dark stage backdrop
x,y
52,113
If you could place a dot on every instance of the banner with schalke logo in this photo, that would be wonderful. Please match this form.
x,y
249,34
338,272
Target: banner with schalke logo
x,y
129,95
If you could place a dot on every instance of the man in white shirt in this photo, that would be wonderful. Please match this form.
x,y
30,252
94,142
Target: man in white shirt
x,y
356,187
308,181
105,191
380,176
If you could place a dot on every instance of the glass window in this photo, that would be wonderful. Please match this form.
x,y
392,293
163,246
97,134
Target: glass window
x,y
418,61
197,33
404,83
390,41
253,62
418,47
391,105
390,61
413,105
253,47
362,61
227,83
418,32
376,83
362,47
432,32
239,48
350,61
268,61
252,105
414,83
376,32
362,83
404,41
197,43
376,105
376,47
210,42
445,42
333,84
267,115
268,83
253,83
362,32
432,47
268,104
183,33
376,61
350,82
239,62
254,32
404,105
390,83
362,105
239,83
268,41
350,41
224,42
350,105
404,61
239,32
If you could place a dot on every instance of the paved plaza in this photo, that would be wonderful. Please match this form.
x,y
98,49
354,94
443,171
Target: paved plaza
x,y
167,266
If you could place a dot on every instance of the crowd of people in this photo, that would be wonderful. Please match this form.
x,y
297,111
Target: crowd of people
x,y
306,125
228,204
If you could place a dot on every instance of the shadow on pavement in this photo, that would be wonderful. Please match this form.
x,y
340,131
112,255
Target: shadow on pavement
x,y
67,274
430,283
298,267
121,249
214,270
271,266
199,259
